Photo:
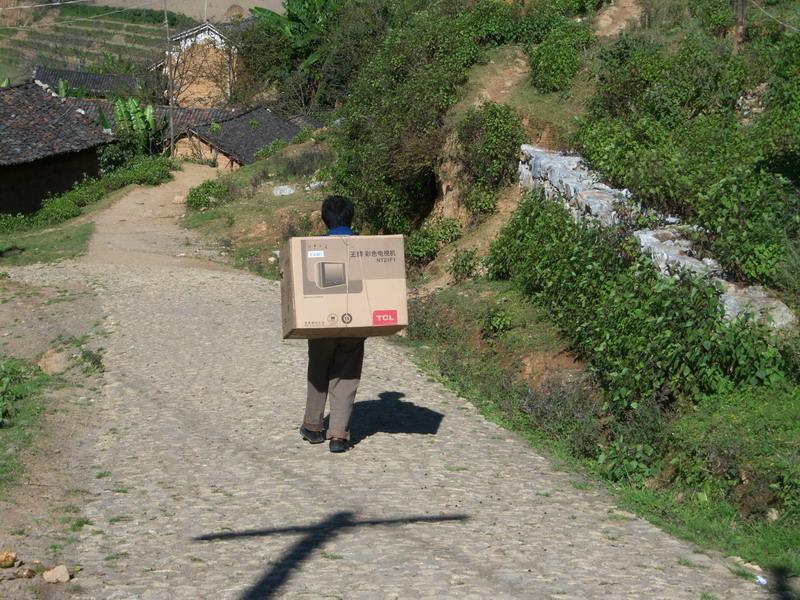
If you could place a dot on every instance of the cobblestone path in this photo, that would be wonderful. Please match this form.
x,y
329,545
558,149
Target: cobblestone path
x,y
202,488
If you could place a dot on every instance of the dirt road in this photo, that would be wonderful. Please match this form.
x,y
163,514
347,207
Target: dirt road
x,y
196,484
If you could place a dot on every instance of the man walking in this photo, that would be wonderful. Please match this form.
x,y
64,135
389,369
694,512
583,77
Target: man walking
x,y
334,364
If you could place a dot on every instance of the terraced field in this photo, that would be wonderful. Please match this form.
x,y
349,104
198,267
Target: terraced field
x,y
63,41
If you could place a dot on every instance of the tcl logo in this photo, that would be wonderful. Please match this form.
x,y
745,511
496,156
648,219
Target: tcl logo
x,y
384,317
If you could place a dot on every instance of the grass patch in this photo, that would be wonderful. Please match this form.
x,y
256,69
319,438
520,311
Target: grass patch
x,y
20,407
25,248
102,474
249,222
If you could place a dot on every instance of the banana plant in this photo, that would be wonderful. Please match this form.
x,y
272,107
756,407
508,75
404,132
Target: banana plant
x,y
137,123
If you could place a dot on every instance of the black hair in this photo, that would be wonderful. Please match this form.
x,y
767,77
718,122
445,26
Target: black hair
x,y
337,211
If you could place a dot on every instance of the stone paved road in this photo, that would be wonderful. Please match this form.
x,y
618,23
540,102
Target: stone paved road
x,y
212,494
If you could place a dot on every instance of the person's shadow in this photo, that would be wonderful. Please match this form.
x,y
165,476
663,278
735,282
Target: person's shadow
x,y
389,414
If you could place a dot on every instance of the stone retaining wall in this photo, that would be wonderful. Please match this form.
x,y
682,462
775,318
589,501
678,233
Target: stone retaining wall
x,y
567,179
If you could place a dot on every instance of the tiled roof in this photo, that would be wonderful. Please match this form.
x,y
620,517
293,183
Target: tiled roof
x,y
242,136
95,85
34,124
184,118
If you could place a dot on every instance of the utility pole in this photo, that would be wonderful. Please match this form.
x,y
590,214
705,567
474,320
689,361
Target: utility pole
x,y
741,23
169,83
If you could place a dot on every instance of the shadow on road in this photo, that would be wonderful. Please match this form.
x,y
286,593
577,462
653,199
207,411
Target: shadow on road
x,y
390,414
314,537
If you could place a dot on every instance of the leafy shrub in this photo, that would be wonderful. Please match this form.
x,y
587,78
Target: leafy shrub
x,y
715,16
742,446
496,321
645,336
481,201
490,137
207,194
271,149
424,244
664,124
555,62
392,123
749,212
463,265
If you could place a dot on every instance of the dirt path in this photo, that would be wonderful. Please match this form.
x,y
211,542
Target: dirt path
x,y
197,485
615,18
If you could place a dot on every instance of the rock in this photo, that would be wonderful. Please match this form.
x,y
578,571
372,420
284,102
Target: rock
x,y
7,559
283,190
54,362
26,573
567,179
773,515
57,574
315,185
272,260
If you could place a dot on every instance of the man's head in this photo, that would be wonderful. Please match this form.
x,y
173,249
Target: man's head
x,y
337,211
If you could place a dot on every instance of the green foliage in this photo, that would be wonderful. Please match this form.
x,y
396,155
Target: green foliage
x,y
137,133
392,124
424,244
743,446
112,64
496,321
302,23
715,16
463,265
665,124
647,337
490,137
555,62
481,200
18,380
631,463
144,170
271,149
207,194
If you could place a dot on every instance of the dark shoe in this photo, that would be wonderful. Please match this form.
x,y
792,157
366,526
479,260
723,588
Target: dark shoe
x,y
339,445
312,437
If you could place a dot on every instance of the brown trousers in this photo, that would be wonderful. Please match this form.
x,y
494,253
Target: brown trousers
x,y
334,371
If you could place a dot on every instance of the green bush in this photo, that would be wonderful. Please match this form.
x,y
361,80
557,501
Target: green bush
x,y
490,137
742,446
665,124
715,16
647,337
271,149
392,125
496,321
481,201
424,244
555,62
207,194
463,265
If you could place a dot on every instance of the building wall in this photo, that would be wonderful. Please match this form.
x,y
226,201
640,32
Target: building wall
x,y
194,148
23,187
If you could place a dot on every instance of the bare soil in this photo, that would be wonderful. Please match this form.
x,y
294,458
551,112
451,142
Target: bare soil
x,y
615,18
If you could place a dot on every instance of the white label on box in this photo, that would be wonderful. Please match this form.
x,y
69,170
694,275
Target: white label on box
x,y
316,254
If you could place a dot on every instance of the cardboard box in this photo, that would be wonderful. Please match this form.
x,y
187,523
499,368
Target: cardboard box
x,y
343,286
